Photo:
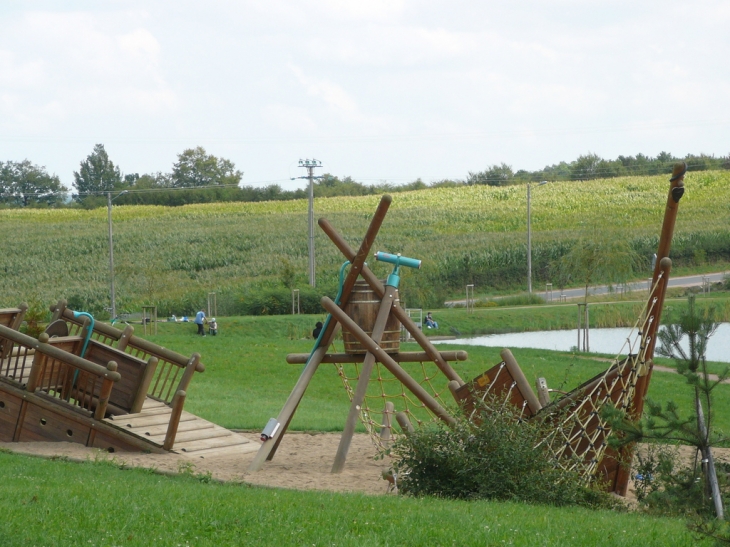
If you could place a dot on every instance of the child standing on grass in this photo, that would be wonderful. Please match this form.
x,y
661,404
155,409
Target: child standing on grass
x,y
199,320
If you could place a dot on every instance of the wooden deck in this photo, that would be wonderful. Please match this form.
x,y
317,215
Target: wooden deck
x,y
196,437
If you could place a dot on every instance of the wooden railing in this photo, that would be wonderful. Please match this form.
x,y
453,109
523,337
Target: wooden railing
x,y
11,318
57,373
174,371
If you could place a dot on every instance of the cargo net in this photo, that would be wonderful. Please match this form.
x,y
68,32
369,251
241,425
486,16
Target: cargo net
x,y
579,438
387,396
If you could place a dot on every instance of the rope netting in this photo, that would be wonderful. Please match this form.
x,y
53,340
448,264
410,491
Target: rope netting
x,y
579,438
385,388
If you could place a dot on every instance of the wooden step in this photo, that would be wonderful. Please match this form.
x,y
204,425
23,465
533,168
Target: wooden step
x,y
197,435
195,446
146,421
238,449
192,425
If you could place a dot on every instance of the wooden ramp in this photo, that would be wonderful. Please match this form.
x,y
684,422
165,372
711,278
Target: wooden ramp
x,y
196,437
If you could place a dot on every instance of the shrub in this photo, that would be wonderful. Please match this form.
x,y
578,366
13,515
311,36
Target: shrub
x,y
499,458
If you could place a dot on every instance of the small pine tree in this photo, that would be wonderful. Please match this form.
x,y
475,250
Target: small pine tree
x,y
666,423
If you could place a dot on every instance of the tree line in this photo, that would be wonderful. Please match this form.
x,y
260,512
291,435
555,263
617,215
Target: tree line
x,y
199,177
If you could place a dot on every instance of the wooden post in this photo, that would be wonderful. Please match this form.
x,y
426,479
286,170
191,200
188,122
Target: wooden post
x,y
404,422
125,338
177,407
362,383
144,385
58,310
663,266
268,449
387,361
106,390
36,367
187,376
385,431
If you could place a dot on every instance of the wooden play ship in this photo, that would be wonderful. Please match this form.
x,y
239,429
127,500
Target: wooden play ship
x,y
90,383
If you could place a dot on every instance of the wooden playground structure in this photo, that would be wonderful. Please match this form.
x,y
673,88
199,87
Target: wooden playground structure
x,y
93,384
372,359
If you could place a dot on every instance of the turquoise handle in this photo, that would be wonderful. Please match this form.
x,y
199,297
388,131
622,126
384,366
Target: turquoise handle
x,y
398,260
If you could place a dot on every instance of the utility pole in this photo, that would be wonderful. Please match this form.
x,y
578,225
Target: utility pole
x,y
113,296
310,166
529,239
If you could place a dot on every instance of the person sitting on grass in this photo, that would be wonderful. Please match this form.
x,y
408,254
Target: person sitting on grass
x,y
317,330
430,323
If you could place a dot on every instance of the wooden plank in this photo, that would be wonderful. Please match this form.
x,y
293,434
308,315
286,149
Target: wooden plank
x,y
401,357
129,367
9,413
193,435
192,425
147,421
43,424
194,446
152,403
239,449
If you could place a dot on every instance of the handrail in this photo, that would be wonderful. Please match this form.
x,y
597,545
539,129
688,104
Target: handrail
x,y
41,346
134,341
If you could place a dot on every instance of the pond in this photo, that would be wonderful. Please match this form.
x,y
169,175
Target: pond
x,y
610,341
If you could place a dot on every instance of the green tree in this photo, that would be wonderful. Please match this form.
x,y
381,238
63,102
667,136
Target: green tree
x,y
97,174
598,258
496,175
23,184
666,423
196,168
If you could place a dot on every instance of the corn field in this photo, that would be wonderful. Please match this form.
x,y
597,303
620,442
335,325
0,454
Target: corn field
x,y
172,257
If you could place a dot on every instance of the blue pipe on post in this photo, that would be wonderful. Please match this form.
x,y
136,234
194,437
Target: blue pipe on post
x,y
394,278
89,331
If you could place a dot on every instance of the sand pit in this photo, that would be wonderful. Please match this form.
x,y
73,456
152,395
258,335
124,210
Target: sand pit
x,y
303,461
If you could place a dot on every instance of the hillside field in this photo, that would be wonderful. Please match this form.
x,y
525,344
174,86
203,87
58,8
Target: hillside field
x,y
173,257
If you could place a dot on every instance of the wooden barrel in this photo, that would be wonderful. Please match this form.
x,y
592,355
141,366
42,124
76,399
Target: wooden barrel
x,y
362,307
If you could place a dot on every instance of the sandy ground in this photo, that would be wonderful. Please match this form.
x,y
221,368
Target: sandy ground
x,y
303,461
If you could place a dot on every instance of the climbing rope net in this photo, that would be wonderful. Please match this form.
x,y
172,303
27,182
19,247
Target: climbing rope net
x,y
579,438
387,396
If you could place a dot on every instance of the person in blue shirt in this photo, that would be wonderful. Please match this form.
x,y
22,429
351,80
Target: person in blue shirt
x,y
199,320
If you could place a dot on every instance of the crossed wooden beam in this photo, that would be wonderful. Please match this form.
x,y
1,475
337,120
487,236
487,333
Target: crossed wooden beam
x,y
389,305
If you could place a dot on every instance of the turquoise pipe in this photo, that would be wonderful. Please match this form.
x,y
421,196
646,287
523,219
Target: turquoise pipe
x,y
89,331
345,264
394,278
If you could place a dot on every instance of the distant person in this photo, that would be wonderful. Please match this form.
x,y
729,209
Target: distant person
x,y
212,327
430,323
200,320
317,330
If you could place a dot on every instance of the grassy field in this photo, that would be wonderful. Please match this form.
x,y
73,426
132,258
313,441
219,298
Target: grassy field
x,y
247,379
58,504
173,257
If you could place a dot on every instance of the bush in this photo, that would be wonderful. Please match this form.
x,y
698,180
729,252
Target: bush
x,y
501,458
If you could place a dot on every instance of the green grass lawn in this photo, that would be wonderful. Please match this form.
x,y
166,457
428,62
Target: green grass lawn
x,y
60,503
247,379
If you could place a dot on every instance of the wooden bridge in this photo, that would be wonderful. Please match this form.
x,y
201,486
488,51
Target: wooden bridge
x,y
102,387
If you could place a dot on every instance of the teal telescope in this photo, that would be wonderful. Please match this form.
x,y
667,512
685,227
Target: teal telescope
x,y
398,260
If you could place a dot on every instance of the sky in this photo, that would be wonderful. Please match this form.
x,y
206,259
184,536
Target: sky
x,y
379,90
